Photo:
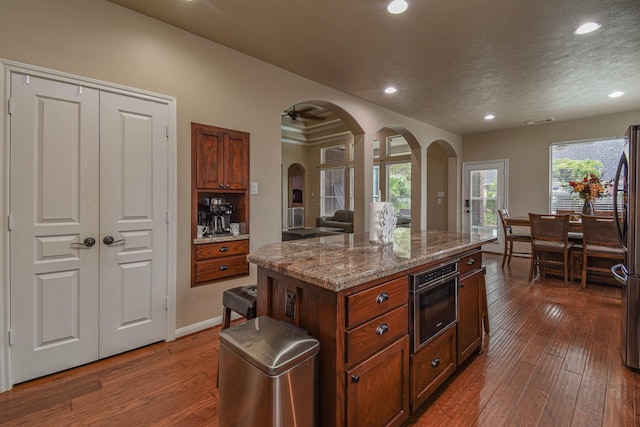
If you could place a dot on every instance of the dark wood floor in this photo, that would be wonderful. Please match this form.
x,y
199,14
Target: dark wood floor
x,y
552,359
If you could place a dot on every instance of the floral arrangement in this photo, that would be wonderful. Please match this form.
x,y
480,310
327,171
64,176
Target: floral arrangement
x,y
590,188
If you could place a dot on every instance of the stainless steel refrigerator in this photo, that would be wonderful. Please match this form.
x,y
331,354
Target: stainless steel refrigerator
x,y
626,205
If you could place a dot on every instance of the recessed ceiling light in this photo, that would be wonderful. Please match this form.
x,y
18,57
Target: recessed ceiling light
x,y
390,89
489,117
397,6
616,94
588,27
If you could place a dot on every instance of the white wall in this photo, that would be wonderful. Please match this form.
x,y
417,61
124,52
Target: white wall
x,y
212,84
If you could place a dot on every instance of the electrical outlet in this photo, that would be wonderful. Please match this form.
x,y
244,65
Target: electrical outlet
x,y
290,304
254,188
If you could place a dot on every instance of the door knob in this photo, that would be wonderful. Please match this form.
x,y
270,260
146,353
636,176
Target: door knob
x,y
110,241
88,242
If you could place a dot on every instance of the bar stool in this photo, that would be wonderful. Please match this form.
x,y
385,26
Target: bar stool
x,y
242,300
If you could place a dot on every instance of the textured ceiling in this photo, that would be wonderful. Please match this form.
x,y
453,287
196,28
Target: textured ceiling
x,y
452,61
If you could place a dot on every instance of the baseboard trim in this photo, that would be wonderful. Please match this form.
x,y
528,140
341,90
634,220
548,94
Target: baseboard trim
x,y
201,326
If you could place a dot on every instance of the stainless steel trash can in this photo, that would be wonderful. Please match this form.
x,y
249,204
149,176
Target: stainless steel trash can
x,y
268,375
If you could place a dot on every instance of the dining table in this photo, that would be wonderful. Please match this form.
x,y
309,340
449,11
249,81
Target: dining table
x,y
575,226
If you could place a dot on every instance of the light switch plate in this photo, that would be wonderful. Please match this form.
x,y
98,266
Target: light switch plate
x,y
254,188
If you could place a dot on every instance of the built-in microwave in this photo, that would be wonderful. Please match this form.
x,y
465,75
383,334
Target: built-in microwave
x,y
434,303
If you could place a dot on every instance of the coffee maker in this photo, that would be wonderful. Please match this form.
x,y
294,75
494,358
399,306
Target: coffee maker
x,y
219,217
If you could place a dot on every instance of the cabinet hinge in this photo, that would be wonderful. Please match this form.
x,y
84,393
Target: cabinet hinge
x,y
10,338
167,127
10,105
10,222
166,216
166,303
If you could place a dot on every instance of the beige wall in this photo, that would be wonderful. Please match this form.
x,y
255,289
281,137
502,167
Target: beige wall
x,y
212,85
528,152
438,182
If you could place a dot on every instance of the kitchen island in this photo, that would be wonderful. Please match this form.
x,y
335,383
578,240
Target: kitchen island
x,y
353,296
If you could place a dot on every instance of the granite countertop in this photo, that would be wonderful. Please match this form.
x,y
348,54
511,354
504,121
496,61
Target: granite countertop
x,y
343,261
220,238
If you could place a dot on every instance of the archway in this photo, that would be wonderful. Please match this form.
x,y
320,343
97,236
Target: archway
x,y
319,136
397,173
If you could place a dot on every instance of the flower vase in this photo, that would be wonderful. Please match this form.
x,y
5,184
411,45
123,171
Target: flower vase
x,y
587,208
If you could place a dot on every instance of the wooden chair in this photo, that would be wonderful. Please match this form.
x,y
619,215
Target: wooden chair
x,y
600,242
549,235
510,238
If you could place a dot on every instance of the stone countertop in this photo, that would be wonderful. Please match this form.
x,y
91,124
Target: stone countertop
x,y
344,261
220,238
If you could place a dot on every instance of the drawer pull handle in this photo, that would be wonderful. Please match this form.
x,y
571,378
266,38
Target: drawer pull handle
x,y
382,297
471,261
355,379
224,249
382,329
435,362
224,267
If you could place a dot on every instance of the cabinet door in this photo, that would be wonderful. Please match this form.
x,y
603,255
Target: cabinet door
x,y
236,161
378,389
209,164
469,316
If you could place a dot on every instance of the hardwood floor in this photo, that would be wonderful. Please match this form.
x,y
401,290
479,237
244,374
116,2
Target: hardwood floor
x,y
552,359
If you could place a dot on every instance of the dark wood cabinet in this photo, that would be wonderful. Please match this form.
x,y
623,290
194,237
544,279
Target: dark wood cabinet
x,y
219,169
377,388
367,376
222,158
432,365
469,306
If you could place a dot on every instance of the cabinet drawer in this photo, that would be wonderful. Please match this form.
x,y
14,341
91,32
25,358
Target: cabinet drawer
x,y
219,268
375,334
470,262
373,302
222,249
431,366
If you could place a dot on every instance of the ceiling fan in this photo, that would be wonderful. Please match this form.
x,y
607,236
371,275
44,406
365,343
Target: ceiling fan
x,y
302,114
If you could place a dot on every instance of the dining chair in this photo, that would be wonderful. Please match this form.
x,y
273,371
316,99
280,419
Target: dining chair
x,y
510,238
599,242
549,235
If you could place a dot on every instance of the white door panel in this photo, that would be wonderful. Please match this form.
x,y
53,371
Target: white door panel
x,y
85,164
54,207
133,164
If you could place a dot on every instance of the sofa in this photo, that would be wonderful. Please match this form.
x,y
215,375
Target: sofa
x,y
341,219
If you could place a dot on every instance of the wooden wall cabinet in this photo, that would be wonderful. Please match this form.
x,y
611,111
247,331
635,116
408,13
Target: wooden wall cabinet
x,y
222,158
219,169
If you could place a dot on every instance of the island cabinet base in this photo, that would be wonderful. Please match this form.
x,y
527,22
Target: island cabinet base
x,y
367,376
364,344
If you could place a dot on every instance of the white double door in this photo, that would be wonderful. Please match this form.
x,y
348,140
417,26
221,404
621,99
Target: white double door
x,y
87,166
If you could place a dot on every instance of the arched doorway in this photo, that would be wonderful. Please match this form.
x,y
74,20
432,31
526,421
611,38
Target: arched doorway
x,y
397,174
319,138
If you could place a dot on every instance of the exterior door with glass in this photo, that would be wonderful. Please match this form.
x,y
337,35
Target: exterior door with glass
x,y
484,192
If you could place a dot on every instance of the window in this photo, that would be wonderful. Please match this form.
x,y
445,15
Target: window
x,y
572,161
399,187
376,183
397,146
334,154
332,179
331,191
